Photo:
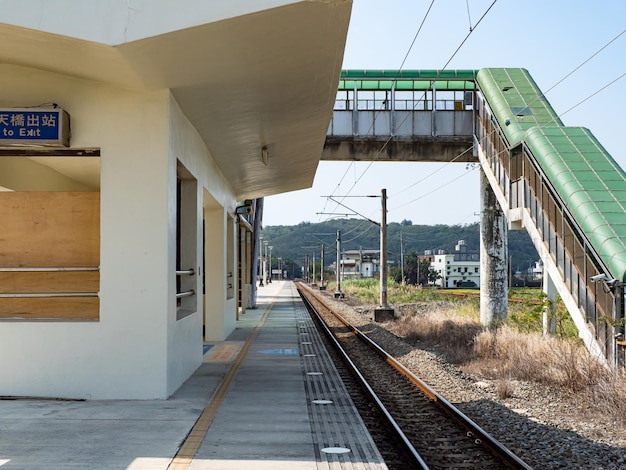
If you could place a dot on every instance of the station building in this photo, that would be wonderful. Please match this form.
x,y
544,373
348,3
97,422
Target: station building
x,y
137,140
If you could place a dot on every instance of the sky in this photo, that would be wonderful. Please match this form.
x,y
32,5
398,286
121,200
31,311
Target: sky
x,y
575,50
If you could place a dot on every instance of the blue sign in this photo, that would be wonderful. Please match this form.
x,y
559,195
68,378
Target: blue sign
x,y
45,126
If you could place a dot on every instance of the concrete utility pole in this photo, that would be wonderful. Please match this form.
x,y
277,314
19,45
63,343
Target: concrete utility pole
x,y
383,251
338,293
402,257
322,270
384,312
262,267
265,243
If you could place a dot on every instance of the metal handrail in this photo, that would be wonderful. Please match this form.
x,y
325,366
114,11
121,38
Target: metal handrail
x,y
191,272
188,293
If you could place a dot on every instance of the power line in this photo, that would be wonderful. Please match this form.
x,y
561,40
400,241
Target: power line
x,y
440,71
416,35
399,70
594,93
470,148
534,101
584,62
435,190
368,228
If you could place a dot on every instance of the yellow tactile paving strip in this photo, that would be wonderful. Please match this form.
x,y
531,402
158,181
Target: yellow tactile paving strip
x,y
190,446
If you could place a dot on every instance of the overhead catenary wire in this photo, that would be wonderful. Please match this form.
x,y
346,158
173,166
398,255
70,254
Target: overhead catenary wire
x,y
338,184
432,81
399,70
545,124
367,229
589,96
550,89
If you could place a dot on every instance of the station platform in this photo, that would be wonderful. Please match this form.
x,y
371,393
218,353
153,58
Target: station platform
x,y
268,397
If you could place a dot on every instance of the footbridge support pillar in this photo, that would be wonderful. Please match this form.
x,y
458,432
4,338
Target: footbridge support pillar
x,y
493,257
549,308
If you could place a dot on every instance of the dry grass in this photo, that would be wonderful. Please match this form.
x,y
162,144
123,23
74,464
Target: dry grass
x,y
504,389
516,351
507,355
609,395
535,358
442,326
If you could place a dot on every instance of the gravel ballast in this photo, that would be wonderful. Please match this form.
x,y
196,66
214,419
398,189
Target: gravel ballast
x,y
546,427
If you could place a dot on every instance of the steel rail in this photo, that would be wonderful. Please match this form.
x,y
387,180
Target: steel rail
x,y
480,434
414,454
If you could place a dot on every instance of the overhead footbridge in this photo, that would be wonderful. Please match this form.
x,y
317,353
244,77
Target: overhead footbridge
x,y
391,115
563,187
556,182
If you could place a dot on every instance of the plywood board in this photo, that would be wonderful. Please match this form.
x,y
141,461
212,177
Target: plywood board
x,y
49,229
52,308
46,282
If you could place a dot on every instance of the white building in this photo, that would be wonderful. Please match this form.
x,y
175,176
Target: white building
x,y
361,263
458,269
119,244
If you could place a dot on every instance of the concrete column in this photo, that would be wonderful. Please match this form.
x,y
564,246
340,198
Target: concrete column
x,y
619,345
493,256
549,321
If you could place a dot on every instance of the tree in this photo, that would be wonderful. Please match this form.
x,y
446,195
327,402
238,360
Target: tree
x,y
433,276
415,270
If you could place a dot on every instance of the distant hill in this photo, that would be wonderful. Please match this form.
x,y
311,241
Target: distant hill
x,y
295,241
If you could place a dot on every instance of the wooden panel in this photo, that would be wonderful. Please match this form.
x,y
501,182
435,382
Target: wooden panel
x,y
49,229
51,308
46,282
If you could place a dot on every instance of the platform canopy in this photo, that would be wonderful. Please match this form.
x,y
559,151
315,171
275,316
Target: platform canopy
x,y
247,74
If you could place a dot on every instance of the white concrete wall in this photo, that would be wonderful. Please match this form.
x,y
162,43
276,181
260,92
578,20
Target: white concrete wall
x,y
122,355
215,199
138,349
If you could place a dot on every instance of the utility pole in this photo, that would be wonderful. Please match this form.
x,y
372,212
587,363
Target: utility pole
x,y
338,293
265,262
322,270
419,283
383,251
384,312
262,267
402,257
313,283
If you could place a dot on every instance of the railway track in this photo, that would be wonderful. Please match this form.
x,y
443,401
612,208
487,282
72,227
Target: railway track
x,y
432,431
